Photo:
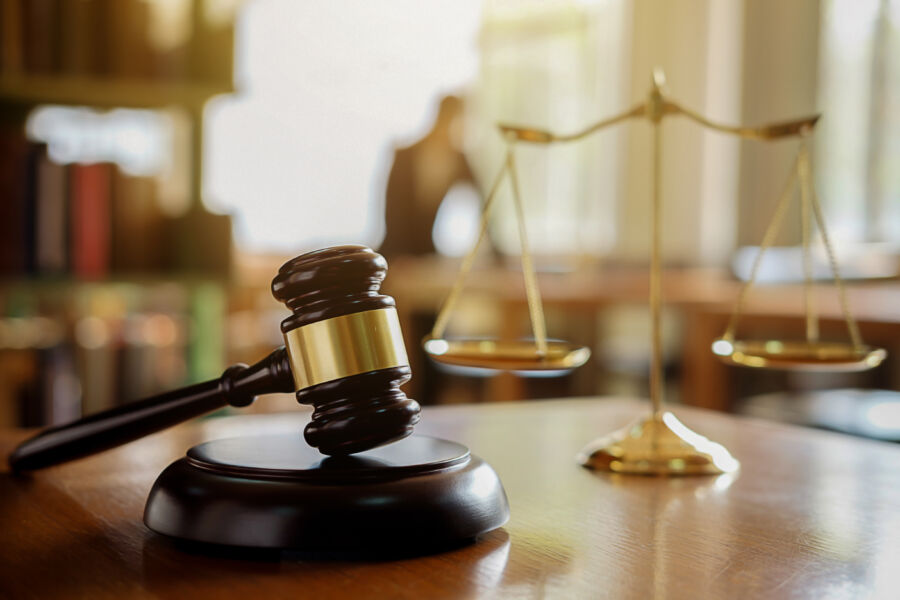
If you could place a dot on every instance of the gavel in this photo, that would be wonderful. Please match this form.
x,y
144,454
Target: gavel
x,y
343,354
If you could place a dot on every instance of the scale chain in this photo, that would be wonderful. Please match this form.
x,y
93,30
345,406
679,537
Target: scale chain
x,y
656,359
768,238
812,321
532,291
443,318
852,327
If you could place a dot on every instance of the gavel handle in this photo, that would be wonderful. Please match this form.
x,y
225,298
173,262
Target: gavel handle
x,y
238,386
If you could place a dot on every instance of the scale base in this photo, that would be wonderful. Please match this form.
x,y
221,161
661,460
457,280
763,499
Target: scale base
x,y
658,445
276,492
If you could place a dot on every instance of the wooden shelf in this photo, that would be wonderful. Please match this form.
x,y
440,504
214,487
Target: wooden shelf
x,y
107,92
55,285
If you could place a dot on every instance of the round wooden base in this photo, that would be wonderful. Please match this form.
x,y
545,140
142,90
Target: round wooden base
x,y
277,492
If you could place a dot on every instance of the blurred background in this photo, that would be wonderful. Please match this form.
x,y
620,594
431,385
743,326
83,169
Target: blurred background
x,y
161,158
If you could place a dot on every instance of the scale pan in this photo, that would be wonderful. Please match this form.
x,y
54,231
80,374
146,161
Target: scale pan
x,y
798,355
515,355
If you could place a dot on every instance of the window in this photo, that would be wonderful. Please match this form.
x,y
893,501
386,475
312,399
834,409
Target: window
x,y
858,144
301,154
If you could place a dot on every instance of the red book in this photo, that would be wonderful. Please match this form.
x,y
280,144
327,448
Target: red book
x,y
89,187
14,189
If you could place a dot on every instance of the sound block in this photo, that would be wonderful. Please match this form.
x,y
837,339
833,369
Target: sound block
x,y
278,492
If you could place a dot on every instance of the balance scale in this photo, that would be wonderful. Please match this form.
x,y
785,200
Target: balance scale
x,y
660,444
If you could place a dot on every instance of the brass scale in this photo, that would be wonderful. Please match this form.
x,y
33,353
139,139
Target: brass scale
x,y
660,444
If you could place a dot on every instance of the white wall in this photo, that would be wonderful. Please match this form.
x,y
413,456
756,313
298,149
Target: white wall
x,y
326,90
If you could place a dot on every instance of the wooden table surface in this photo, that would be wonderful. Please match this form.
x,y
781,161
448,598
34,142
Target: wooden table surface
x,y
810,515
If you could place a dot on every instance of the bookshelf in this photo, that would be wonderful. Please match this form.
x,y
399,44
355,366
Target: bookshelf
x,y
33,90
26,92
145,309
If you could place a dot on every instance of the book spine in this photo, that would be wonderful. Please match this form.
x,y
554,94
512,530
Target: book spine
x,y
95,357
11,43
40,36
169,37
128,44
212,42
136,225
36,152
80,37
90,187
13,191
51,231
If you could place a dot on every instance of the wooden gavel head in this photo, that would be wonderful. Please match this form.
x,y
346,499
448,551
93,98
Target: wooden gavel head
x,y
345,349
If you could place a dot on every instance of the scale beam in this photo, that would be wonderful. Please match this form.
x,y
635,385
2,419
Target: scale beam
x,y
767,132
541,136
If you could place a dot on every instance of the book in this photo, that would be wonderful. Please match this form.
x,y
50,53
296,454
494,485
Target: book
x,y
40,33
51,218
81,39
90,219
127,42
169,33
52,395
17,372
60,389
33,159
95,360
199,242
212,44
11,44
14,150
137,237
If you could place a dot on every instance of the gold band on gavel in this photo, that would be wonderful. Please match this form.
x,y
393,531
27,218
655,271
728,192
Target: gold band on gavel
x,y
346,345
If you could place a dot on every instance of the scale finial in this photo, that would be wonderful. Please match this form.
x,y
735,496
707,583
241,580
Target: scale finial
x,y
658,79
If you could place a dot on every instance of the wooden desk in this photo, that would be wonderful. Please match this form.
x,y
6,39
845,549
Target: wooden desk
x,y
421,284
777,312
704,298
811,515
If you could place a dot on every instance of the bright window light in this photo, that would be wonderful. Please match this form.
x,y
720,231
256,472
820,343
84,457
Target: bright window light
x,y
327,90
139,141
457,222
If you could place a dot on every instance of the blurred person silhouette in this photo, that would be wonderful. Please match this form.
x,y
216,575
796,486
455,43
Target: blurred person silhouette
x,y
419,179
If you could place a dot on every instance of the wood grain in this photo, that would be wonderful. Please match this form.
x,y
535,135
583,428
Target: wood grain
x,y
811,515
